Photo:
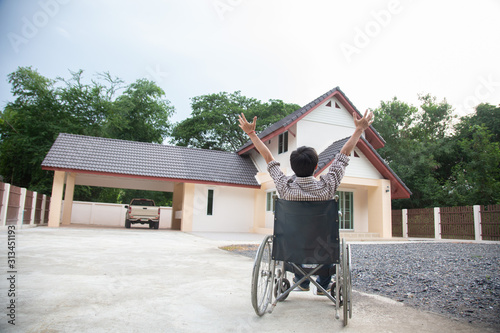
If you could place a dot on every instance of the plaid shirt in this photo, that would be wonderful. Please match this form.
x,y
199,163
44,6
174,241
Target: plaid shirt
x,y
309,188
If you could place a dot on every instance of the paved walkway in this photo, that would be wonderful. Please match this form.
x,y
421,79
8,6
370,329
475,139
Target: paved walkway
x,y
73,279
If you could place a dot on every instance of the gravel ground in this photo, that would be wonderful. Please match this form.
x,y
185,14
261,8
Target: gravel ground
x,y
458,280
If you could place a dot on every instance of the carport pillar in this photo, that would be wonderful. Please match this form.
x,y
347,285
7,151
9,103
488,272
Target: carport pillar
x,y
68,198
187,207
177,206
56,199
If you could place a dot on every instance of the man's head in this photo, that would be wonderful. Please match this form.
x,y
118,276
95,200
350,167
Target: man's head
x,y
304,161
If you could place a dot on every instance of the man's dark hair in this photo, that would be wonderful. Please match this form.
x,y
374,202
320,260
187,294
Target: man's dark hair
x,y
304,161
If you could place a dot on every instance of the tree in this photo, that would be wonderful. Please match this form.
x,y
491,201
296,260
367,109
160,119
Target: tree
x,y
141,113
473,159
89,104
30,125
413,138
213,122
475,178
487,116
43,108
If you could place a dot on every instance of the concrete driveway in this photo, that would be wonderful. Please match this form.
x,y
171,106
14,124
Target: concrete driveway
x,y
77,279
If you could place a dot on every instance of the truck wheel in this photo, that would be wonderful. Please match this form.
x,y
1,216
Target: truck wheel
x,y
127,224
157,225
151,225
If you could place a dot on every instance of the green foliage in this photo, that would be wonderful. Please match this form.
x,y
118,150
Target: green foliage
x,y
487,116
43,108
140,114
475,176
30,125
160,198
442,164
121,196
213,123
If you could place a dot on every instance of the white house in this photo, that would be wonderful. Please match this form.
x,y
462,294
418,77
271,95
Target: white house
x,y
232,192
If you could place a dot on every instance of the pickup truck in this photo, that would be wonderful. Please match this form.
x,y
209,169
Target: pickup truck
x,y
142,211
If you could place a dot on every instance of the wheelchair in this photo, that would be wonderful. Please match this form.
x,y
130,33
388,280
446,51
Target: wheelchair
x,y
305,241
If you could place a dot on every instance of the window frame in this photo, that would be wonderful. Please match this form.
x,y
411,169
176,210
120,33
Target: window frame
x,y
283,142
347,218
210,202
270,203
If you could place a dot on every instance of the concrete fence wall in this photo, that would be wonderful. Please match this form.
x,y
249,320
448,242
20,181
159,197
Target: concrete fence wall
x,y
98,213
24,208
21,207
468,222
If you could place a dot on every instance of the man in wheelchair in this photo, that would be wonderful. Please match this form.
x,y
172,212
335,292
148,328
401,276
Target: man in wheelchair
x,y
303,186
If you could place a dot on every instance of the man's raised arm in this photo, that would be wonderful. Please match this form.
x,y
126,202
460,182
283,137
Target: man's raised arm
x,y
249,129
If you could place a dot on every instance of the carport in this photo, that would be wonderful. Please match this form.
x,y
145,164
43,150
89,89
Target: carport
x,y
103,162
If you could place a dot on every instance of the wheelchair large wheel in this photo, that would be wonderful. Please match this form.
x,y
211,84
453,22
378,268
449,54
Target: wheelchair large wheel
x,y
263,277
346,281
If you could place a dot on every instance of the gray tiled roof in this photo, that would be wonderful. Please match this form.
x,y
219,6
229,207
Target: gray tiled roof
x,y
327,155
94,154
297,114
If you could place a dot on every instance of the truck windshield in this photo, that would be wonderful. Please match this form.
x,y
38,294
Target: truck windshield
x,y
142,203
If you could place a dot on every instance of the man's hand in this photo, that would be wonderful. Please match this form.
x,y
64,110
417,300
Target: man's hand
x,y
245,125
249,129
361,125
364,122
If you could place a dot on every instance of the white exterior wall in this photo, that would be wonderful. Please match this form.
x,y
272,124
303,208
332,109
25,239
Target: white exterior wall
x,y
283,158
324,125
360,214
233,209
361,167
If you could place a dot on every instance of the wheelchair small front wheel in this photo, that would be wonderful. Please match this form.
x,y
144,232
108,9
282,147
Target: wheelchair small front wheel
x,y
263,277
332,292
280,289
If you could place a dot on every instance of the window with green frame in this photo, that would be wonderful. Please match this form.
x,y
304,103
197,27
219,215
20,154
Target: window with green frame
x,y
270,201
210,202
346,207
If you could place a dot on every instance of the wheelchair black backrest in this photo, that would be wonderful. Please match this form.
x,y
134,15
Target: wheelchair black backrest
x,y
306,232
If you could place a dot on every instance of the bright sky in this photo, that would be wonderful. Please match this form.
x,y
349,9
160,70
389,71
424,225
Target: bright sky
x,y
289,49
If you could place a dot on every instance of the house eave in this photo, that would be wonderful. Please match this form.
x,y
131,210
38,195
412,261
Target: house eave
x,y
175,180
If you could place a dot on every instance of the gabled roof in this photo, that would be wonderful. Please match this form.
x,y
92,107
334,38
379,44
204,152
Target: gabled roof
x,y
326,157
284,124
86,154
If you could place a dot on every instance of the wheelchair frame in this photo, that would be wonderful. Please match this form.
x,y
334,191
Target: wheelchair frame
x,y
270,284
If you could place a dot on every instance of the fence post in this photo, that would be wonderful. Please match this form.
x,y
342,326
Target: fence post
x,y
437,223
42,212
33,208
477,222
405,223
22,201
5,203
